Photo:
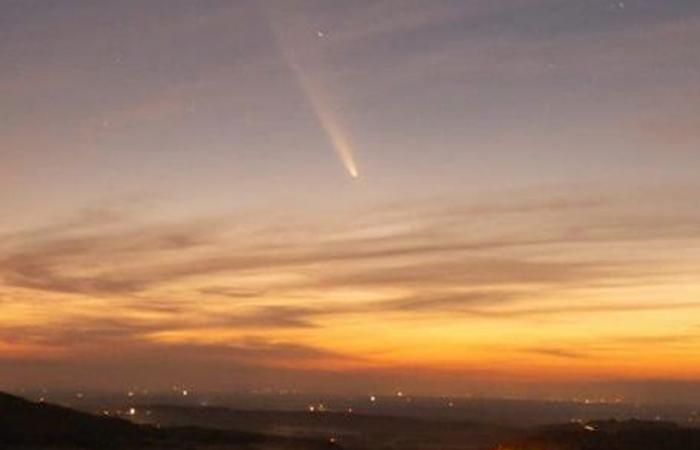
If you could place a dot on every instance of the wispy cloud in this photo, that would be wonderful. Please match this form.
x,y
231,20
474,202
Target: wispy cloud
x,y
108,254
111,277
557,352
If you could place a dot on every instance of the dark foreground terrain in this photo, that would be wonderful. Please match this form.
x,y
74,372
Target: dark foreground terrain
x,y
346,430
28,425
36,426
609,435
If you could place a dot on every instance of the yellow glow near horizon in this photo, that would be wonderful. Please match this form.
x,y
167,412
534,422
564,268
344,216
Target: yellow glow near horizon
x,y
487,294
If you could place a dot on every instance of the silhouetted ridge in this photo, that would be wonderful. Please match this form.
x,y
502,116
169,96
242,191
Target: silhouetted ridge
x,y
611,435
25,422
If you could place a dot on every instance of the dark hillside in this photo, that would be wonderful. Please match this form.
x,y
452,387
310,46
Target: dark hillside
x,y
610,435
25,424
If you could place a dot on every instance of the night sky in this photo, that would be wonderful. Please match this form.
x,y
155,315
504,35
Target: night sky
x,y
437,196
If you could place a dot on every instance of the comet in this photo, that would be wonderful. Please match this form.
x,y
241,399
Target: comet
x,y
319,100
327,118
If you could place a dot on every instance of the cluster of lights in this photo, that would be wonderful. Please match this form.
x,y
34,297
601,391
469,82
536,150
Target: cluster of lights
x,y
132,393
317,408
602,400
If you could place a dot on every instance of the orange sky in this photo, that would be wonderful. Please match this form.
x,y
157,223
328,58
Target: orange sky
x,y
350,195
537,287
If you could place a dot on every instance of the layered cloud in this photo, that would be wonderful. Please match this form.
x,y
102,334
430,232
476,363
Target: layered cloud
x,y
237,289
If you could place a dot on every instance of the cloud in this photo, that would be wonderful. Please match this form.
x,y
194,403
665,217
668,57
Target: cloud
x,y
451,246
441,302
271,316
242,291
77,331
84,336
494,305
574,310
474,272
688,338
556,352
231,292
65,257
248,361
